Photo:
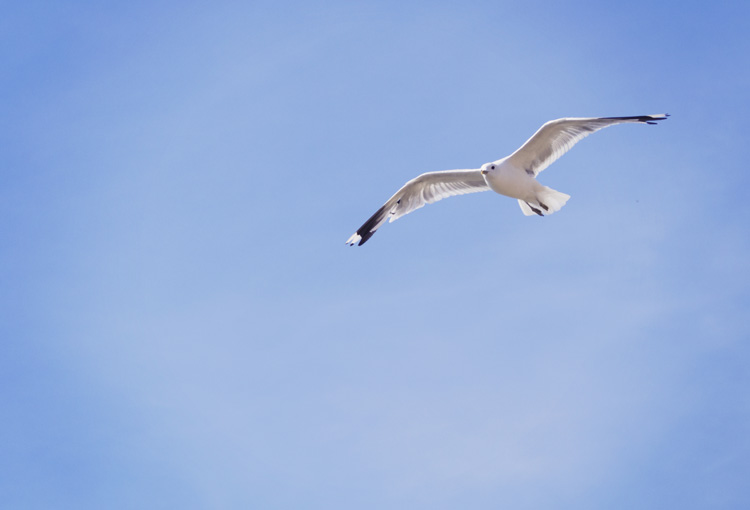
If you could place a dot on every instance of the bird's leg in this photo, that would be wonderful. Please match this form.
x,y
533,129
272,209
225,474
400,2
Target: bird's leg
x,y
535,209
544,206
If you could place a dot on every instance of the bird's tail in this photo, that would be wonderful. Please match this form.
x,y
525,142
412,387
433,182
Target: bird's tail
x,y
546,201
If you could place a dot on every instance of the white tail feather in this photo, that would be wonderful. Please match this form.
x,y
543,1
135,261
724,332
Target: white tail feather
x,y
553,200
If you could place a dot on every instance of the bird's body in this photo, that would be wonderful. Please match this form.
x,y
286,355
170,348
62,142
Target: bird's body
x,y
507,179
513,176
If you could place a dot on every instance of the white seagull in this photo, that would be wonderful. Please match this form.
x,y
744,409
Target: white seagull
x,y
513,176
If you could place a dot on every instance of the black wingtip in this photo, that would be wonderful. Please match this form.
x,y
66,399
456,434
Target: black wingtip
x,y
369,228
646,119
365,237
656,118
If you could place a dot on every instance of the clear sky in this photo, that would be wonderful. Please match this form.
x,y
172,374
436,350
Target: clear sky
x,y
183,326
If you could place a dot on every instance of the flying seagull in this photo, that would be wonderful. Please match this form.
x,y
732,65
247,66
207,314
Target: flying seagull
x,y
513,176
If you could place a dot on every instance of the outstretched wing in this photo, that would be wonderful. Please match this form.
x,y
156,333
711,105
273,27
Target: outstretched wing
x,y
425,189
557,137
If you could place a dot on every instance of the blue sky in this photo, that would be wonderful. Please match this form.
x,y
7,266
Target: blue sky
x,y
184,327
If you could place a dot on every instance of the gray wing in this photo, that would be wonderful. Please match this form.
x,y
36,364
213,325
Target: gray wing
x,y
557,137
425,189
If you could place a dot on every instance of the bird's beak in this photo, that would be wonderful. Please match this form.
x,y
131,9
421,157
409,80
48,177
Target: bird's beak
x,y
484,172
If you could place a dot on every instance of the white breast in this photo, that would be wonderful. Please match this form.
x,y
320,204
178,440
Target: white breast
x,y
511,181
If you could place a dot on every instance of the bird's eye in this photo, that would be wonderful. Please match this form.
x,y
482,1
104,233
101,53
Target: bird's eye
x,y
492,167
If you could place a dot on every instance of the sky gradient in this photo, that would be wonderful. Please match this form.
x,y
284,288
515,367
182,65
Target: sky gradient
x,y
184,327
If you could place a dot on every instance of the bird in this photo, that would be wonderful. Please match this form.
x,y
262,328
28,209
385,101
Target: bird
x,y
513,176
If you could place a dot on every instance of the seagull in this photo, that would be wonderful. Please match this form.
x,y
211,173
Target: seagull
x,y
513,176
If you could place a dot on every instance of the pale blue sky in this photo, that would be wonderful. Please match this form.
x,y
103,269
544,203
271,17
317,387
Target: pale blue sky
x,y
184,326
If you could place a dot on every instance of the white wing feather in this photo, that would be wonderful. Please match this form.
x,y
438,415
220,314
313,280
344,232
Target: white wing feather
x,y
428,188
557,137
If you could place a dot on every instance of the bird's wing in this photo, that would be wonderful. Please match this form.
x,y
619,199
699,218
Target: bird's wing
x,y
557,137
425,189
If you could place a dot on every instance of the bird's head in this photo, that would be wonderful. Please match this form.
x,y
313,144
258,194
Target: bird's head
x,y
488,168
